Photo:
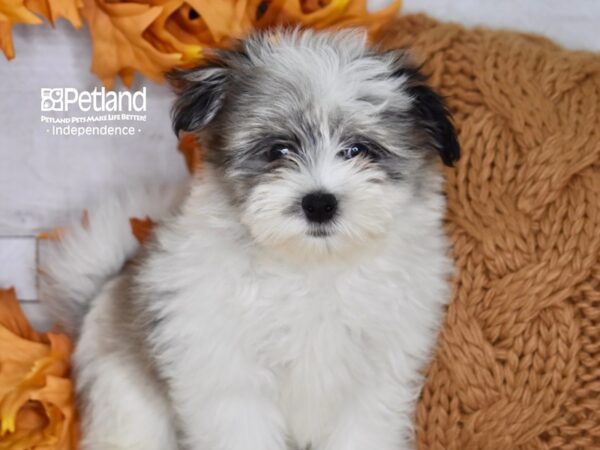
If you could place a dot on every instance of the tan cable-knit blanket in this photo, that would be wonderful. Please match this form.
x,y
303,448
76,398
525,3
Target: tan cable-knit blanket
x,y
518,364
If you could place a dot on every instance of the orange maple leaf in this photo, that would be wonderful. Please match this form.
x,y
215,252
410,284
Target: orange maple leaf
x,y
337,13
358,15
37,408
119,47
13,11
313,13
222,17
153,36
55,9
190,149
6,43
141,228
177,29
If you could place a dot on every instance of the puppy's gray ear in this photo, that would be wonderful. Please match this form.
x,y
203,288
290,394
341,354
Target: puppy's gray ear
x,y
428,109
200,94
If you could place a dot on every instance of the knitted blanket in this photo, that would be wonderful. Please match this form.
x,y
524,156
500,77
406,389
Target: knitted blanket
x,y
518,362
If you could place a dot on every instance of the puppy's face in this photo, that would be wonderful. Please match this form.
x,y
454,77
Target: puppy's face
x,y
319,141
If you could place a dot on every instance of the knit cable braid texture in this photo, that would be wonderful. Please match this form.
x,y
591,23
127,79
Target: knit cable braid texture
x,y
518,362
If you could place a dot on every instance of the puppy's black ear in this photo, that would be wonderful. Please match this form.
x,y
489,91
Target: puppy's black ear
x,y
200,94
428,110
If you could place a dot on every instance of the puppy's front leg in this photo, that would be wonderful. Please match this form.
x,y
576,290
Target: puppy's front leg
x,y
379,419
228,408
229,422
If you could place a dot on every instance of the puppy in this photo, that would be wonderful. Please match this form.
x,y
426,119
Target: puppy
x,y
293,299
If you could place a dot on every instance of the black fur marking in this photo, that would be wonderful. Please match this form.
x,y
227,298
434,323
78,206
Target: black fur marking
x,y
429,111
201,90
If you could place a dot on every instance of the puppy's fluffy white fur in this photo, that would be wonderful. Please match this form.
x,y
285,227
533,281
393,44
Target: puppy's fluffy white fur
x,y
237,330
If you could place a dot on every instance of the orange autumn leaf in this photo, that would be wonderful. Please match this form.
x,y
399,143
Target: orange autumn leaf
x,y
153,36
11,12
190,149
141,228
358,16
221,17
37,409
15,11
264,13
311,13
170,31
6,43
12,318
52,10
119,47
339,13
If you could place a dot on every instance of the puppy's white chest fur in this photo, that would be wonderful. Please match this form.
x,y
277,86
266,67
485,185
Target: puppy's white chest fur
x,y
334,342
315,343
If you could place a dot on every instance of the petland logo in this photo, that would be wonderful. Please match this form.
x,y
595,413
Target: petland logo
x,y
70,112
99,100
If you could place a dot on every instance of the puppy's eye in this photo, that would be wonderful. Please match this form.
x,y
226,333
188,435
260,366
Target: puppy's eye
x,y
354,150
278,151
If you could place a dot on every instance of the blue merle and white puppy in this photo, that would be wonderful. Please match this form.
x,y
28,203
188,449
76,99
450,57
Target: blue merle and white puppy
x,y
293,299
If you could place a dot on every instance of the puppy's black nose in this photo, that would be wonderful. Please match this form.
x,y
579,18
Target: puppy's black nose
x,y
319,206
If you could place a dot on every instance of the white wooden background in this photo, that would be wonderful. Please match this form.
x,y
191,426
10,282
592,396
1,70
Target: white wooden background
x,y
45,180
